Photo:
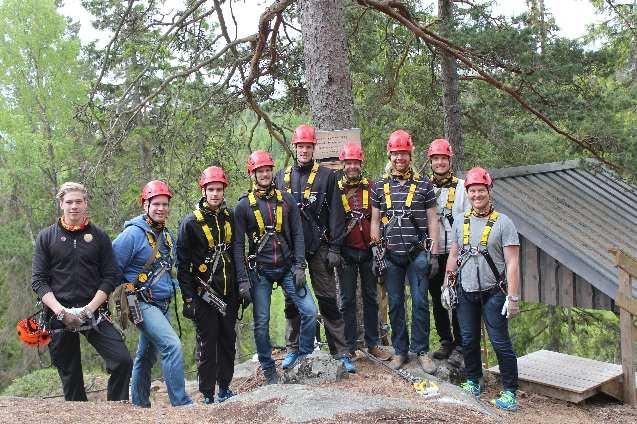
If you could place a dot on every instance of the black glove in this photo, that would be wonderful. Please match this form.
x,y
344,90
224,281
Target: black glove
x,y
434,266
188,310
299,278
244,292
334,260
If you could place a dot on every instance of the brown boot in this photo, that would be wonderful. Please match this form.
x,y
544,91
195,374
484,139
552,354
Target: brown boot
x,y
379,353
426,363
398,361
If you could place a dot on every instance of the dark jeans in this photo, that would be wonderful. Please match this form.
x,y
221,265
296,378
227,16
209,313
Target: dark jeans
x,y
441,316
300,298
324,287
357,262
488,305
216,337
67,358
415,270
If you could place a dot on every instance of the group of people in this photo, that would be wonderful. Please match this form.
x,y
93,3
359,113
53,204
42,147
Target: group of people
x,y
441,234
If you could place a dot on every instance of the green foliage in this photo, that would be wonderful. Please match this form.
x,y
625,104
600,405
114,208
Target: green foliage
x,y
42,382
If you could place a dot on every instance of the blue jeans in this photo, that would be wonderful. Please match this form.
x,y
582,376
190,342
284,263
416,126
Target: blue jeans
x,y
357,262
157,335
416,269
470,309
261,293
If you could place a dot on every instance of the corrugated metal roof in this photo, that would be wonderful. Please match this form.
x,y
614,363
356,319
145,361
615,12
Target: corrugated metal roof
x,y
574,212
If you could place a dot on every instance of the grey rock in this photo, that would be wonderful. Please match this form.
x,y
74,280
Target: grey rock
x,y
317,368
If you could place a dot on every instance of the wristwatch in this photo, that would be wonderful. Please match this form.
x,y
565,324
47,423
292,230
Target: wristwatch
x,y
60,316
513,298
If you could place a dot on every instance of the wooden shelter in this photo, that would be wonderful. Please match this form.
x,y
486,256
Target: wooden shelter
x,y
569,214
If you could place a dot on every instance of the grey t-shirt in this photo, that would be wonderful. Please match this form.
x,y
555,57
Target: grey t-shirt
x,y
502,234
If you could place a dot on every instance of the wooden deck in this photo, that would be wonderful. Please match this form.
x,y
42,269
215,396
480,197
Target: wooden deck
x,y
567,377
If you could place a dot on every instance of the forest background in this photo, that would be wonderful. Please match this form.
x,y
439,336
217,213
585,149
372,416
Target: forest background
x,y
174,90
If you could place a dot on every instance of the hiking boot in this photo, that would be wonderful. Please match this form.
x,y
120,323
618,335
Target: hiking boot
x,y
443,351
456,359
398,361
271,377
471,387
348,364
507,401
379,353
289,360
224,394
426,363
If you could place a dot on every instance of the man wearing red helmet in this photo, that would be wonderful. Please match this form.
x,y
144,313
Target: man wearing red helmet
x,y
205,269
145,252
74,271
271,220
357,253
451,200
484,259
404,212
323,218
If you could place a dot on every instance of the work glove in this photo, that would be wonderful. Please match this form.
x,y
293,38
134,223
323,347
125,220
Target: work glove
x,y
188,310
510,308
434,266
334,260
86,314
69,319
299,278
244,292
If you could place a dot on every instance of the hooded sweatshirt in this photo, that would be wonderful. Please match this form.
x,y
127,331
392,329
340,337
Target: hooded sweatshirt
x,y
132,251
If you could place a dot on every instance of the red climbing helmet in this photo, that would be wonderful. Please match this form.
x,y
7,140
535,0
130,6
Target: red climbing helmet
x,y
154,188
477,175
30,333
304,134
213,174
440,146
400,141
351,151
258,159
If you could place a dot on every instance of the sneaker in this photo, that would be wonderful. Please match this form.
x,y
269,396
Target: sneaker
x,y
426,363
398,361
507,401
208,400
379,353
271,377
443,351
456,359
471,387
348,364
224,394
289,360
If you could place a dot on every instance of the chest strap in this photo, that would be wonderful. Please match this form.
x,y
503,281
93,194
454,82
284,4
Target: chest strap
x,y
388,199
278,220
345,201
156,265
451,194
307,191
227,229
466,230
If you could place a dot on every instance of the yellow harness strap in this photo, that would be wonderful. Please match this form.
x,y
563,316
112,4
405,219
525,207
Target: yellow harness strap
x,y
227,228
287,177
466,231
387,193
451,194
278,223
345,201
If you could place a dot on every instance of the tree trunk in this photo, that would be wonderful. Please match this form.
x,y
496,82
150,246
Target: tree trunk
x,y
450,88
326,59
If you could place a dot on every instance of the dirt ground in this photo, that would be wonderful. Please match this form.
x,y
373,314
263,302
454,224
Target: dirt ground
x,y
370,379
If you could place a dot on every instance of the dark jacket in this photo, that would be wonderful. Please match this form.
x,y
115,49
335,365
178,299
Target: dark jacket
x,y
192,250
73,265
324,213
286,250
359,236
